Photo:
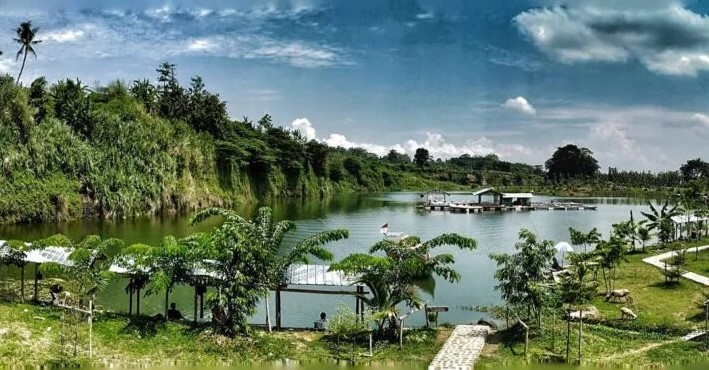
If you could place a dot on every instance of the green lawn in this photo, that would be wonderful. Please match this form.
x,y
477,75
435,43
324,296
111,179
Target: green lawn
x,y
31,336
665,312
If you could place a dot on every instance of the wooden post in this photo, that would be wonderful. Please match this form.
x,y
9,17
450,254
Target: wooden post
x,y
201,306
278,309
22,283
360,291
130,299
401,333
36,276
137,302
167,299
195,304
91,326
425,314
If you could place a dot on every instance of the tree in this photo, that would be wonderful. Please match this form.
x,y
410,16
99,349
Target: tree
x,y
90,260
576,291
392,278
695,169
25,37
661,220
643,235
248,254
206,112
40,99
521,275
146,93
72,104
167,265
611,253
421,157
571,161
172,100
579,238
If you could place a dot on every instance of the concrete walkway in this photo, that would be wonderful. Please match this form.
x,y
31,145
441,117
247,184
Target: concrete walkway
x,y
657,261
462,348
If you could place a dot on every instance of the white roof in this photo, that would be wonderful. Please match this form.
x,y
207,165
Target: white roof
x,y
58,255
683,219
484,191
517,195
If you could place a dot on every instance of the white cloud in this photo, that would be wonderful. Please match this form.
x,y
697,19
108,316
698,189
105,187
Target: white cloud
x,y
305,127
201,45
5,65
521,105
66,35
664,36
701,119
166,32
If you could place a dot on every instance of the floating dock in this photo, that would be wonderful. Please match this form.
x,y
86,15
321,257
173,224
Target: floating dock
x,y
489,207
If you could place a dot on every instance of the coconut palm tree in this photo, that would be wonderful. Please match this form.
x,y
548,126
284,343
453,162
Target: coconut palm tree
x,y
252,250
25,37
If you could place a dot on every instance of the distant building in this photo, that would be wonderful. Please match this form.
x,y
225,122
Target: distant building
x,y
493,196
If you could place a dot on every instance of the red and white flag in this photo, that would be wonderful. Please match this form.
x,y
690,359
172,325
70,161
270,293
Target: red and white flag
x,y
384,228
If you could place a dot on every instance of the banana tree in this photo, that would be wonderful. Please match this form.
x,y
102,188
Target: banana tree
x,y
661,220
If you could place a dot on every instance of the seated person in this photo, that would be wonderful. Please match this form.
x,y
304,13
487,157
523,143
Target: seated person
x,y
322,323
555,264
54,291
173,313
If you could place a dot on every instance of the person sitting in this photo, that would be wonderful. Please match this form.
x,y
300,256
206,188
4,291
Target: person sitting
x,y
555,266
54,291
173,313
322,323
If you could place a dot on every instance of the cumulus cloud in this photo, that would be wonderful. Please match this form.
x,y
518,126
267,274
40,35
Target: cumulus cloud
x,y
305,127
437,145
701,119
66,35
663,35
521,105
164,32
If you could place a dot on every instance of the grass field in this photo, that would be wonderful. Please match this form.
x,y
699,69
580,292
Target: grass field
x,y
31,336
665,313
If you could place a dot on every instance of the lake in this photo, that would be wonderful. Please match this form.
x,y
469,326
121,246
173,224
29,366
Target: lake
x,y
363,215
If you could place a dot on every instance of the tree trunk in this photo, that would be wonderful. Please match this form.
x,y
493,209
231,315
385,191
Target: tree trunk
x,y
24,59
580,332
167,299
568,337
268,313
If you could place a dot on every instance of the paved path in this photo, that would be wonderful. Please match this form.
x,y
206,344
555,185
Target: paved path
x,y
657,261
461,349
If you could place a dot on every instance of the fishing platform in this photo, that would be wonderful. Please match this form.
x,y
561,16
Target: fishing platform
x,y
490,200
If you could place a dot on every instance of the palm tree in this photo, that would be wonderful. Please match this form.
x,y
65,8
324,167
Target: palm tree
x,y
643,235
261,263
25,37
661,220
393,278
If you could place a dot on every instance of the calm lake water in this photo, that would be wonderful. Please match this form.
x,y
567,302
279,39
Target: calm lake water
x,y
363,215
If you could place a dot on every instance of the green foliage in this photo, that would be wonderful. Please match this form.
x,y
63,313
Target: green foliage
x,y
521,275
392,278
571,161
247,256
344,324
661,221
90,259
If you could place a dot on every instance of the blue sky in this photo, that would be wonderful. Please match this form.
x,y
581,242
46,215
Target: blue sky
x,y
627,79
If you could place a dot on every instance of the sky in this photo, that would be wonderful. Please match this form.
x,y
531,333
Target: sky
x,y
517,78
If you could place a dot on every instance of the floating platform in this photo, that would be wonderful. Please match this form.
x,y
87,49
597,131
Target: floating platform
x,y
490,207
